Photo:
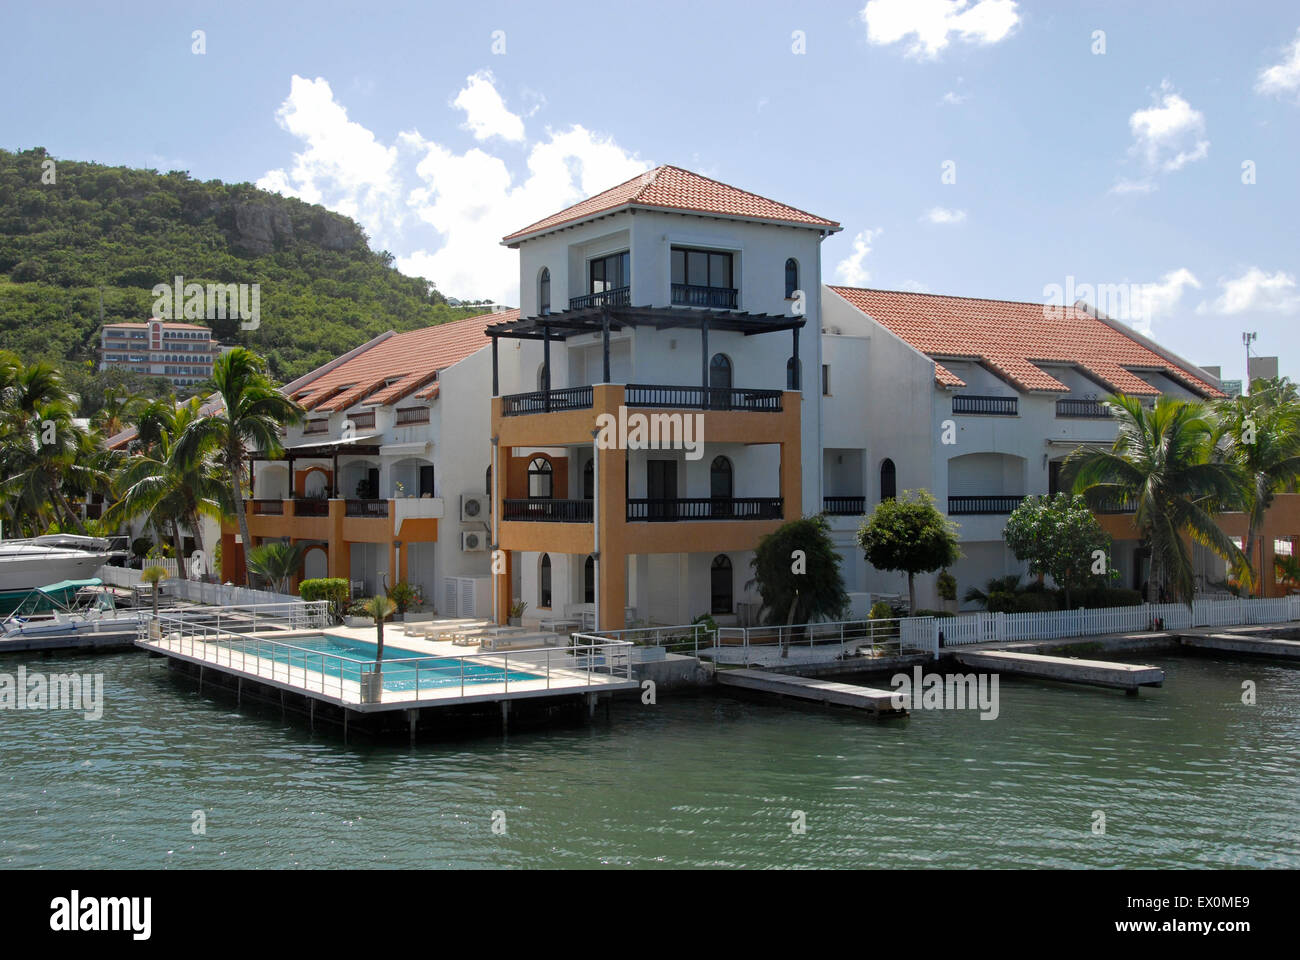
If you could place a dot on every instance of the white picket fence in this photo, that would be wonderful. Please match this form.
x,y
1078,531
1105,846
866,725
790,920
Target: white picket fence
x,y
1057,624
216,594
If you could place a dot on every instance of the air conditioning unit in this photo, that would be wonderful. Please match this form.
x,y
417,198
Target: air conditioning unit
x,y
473,541
475,507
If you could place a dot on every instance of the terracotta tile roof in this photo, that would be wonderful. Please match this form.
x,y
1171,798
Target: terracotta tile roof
x,y
1010,338
409,360
167,325
672,188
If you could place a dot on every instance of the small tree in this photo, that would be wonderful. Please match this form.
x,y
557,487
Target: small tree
x,y
276,562
797,572
153,576
379,607
908,533
1058,536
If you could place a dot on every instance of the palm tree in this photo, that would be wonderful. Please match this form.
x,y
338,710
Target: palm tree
x,y
121,407
277,562
997,593
46,455
1260,434
379,607
1162,463
153,576
253,411
173,490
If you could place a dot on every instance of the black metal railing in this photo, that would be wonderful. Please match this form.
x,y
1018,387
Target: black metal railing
x,y
408,415
701,398
706,508
316,426
844,506
1090,409
268,508
311,507
986,505
546,510
618,297
987,406
366,508
362,420
1116,505
544,401
697,295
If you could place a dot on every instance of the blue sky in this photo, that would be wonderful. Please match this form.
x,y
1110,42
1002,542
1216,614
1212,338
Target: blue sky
x,y
443,126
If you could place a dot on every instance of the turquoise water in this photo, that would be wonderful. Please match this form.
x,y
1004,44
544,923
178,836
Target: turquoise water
x,y
429,671
1186,775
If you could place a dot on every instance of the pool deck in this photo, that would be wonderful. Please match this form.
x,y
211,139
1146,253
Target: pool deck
x,y
559,672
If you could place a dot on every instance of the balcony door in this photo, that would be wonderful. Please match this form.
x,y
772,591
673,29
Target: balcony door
x,y
661,489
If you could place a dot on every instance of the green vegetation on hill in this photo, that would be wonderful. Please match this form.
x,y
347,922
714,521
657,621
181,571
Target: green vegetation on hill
x,y
99,238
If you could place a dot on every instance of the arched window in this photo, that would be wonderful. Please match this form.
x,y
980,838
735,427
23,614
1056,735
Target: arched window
x,y
720,371
544,292
589,580
544,581
721,584
589,480
791,277
540,479
888,480
794,374
721,487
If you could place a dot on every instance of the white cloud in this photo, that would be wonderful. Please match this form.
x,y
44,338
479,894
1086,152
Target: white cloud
x,y
1169,134
1255,291
1133,186
943,215
850,271
485,112
342,165
1157,301
405,191
932,22
1282,77
954,98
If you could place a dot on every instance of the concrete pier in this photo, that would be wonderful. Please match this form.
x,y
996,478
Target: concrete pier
x,y
1098,673
876,702
1241,643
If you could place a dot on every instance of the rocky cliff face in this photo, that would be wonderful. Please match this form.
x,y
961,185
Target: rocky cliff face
x,y
259,228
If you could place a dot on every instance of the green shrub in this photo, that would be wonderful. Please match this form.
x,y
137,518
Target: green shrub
x,y
946,584
881,611
333,589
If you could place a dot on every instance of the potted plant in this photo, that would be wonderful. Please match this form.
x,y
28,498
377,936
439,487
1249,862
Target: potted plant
x,y
404,597
372,684
153,576
516,613
356,615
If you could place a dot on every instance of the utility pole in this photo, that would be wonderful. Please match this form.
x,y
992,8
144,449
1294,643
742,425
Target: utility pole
x,y
1247,339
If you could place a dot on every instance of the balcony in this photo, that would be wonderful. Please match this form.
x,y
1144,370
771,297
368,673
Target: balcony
x,y
844,506
617,297
986,406
362,420
546,401
268,508
547,510
366,508
990,505
316,426
700,398
1083,409
706,508
313,507
406,416
697,295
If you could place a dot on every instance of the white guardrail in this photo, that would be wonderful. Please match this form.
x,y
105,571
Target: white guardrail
x,y
226,639
217,594
894,637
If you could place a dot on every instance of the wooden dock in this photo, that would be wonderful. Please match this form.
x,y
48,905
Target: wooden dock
x,y
1097,673
879,703
1239,643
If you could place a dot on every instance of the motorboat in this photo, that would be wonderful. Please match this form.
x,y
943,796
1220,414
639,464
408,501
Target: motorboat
x,y
25,564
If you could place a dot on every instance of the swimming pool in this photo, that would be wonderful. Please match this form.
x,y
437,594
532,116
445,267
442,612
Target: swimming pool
x,y
323,653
